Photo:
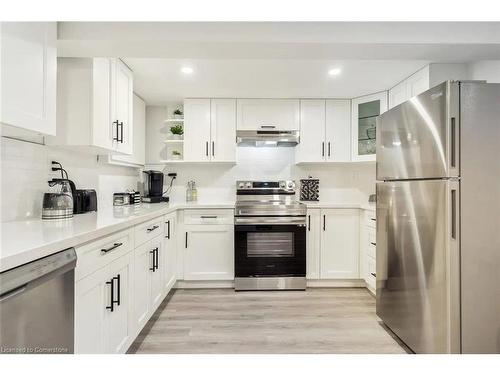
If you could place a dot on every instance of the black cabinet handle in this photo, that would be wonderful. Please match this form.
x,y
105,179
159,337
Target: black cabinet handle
x,y
213,148
153,268
121,132
118,244
117,138
309,223
373,274
152,228
328,149
206,148
373,219
157,257
208,216
268,127
322,149
324,223
112,283
186,244
168,229
117,278
374,243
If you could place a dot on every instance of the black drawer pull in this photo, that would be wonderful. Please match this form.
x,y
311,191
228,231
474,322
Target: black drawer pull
x,y
373,274
117,278
152,228
118,244
168,229
112,283
373,219
374,243
153,268
208,217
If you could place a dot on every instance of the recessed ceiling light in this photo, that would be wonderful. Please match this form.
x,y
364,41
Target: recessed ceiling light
x,y
187,70
334,71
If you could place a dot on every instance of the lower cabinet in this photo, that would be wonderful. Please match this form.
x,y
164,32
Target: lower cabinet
x,y
209,252
170,251
339,255
103,309
369,250
148,290
313,235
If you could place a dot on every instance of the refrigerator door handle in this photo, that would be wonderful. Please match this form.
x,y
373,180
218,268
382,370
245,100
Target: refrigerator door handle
x,y
454,214
453,145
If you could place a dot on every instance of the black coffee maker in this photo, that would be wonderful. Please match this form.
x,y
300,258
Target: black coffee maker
x,y
153,187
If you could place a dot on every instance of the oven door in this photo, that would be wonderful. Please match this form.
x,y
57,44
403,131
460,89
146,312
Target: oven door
x,y
270,250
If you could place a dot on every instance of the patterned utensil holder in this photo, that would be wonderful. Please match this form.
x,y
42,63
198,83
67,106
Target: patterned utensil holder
x,y
309,189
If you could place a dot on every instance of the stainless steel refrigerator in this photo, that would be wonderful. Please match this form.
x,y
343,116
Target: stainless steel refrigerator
x,y
438,219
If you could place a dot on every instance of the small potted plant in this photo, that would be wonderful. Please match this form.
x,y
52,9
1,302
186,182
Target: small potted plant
x,y
177,131
176,155
178,114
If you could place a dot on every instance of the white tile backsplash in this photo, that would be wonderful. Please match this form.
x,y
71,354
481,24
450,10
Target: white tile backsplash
x,y
25,170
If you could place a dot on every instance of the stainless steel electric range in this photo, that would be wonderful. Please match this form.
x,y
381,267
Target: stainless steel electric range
x,y
270,236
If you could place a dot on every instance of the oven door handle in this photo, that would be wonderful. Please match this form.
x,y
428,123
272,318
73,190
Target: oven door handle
x,y
285,220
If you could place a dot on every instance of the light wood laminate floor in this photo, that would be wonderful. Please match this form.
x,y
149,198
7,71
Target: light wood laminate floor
x,y
222,321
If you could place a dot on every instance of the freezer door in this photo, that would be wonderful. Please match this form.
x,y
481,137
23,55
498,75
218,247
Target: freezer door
x,y
418,263
419,138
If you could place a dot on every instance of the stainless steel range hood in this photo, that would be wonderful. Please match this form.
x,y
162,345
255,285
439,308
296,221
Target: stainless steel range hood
x,y
267,138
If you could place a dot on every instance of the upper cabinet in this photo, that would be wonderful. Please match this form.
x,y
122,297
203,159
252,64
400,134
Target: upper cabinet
x,y
268,114
422,80
210,130
29,65
138,156
324,131
365,111
94,105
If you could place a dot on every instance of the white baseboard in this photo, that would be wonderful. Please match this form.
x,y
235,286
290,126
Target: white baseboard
x,y
184,284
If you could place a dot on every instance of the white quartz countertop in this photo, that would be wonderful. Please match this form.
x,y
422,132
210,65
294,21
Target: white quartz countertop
x,y
26,240
327,204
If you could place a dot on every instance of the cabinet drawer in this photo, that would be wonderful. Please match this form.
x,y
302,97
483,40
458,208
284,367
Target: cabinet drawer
x,y
99,253
372,243
223,216
148,230
371,278
371,219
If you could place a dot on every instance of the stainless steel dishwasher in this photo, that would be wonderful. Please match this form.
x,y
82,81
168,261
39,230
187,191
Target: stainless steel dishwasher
x,y
37,305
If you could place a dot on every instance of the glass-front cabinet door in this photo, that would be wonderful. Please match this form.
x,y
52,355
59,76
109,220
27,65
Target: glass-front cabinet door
x,y
365,110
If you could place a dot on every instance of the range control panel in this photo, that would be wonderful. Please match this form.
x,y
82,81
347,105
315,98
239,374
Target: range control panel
x,y
288,185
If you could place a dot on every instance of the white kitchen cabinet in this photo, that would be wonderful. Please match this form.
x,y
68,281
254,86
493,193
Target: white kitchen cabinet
x,y
338,130
149,286
97,328
325,131
425,78
138,156
223,130
210,130
119,322
368,249
143,259
197,130
365,111
339,244
311,148
170,251
94,105
268,114
398,94
313,236
209,252
122,91
28,84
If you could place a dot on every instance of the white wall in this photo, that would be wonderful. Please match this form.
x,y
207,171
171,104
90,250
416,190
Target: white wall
x,y
488,70
217,183
25,170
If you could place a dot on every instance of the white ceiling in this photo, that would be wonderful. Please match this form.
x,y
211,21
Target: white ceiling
x,y
276,59
160,80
